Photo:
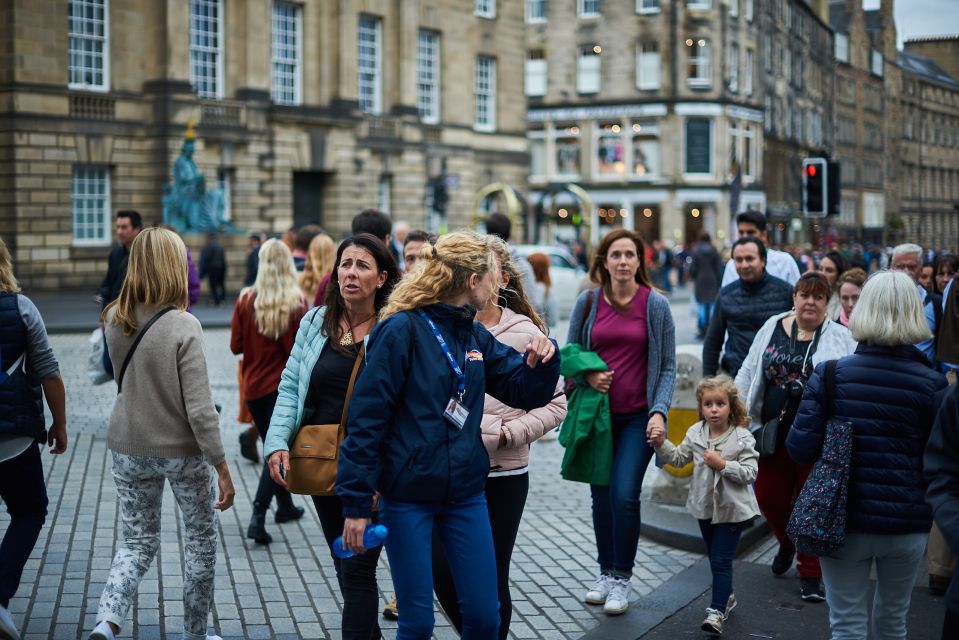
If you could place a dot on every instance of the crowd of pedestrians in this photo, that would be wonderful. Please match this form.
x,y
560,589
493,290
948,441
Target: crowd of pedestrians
x,y
410,374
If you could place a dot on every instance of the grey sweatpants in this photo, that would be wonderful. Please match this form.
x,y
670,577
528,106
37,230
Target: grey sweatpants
x,y
140,481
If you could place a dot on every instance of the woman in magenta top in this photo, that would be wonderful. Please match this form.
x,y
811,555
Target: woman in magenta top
x,y
630,326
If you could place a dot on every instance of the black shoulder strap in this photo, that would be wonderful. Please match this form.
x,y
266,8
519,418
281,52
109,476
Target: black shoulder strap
x,y
829,386
136,342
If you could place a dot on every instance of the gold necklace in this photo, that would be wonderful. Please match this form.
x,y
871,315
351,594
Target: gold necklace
x,y
347,338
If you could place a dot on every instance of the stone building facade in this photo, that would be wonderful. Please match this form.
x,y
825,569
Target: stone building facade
x,y
797,85
653,107
927,156
866,117
306,112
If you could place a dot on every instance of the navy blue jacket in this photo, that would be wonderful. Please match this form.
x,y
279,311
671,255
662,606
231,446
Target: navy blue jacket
x,y
890,395
741,310
21,396
942,472
398,441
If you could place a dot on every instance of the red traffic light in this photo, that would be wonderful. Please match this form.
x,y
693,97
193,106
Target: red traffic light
x,y
811,170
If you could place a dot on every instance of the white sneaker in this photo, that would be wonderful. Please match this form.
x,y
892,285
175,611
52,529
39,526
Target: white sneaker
x,y
730,605
8,630
102,631
618,599
600,589
714,622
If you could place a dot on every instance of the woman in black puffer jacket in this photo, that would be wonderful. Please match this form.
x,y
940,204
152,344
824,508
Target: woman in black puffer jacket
x,y
890,395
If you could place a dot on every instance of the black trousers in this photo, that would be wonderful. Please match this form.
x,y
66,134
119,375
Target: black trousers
x,y
950,624
505,500
25,495
261,409
217,278
356,575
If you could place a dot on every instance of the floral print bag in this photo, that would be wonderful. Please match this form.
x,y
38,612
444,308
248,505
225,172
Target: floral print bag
x,y
817,525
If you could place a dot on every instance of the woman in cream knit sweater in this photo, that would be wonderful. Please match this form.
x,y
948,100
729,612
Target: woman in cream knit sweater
x,y
164,428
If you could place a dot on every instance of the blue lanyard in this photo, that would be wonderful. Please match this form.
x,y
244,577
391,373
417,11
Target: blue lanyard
x,y
460,376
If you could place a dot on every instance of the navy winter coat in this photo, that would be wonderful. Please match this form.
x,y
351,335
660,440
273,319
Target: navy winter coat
x,y
398,441
942,472
890,395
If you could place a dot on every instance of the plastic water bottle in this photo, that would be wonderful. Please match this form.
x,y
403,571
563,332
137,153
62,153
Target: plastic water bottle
x,y
374,536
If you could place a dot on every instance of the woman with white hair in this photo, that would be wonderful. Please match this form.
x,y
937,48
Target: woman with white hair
x,y
888,393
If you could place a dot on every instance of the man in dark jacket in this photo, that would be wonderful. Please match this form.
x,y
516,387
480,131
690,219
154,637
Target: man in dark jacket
x,y
706,270
128,225
742,307
213,266
941,467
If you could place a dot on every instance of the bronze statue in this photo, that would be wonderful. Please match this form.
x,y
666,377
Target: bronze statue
x,y
187,204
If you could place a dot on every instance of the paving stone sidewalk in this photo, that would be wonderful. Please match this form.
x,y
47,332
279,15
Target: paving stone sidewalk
x,y
286,590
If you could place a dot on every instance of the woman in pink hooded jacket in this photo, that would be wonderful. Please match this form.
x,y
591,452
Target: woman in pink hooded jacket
x,y
507,434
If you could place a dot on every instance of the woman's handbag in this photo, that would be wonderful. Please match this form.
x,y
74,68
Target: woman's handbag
x,y
768,435
817,525
316,450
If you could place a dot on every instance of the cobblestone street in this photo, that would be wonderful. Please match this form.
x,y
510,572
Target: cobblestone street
x,y
286,590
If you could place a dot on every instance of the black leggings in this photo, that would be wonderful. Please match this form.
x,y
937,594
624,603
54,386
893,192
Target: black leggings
x,y
505,501
356,576
261,410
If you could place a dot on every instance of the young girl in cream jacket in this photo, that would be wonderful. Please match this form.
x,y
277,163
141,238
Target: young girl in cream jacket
x,y
720,495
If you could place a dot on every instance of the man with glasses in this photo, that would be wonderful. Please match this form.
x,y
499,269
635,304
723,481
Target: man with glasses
x,y
908,259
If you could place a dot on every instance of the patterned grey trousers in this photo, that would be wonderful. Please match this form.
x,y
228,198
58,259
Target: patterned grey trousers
x,y
140,482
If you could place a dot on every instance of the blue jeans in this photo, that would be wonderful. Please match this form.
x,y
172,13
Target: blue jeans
x,y
463,526
846,576
721,541
25,494
616,506
705,313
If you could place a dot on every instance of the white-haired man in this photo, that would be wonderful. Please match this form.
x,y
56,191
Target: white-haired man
x,y
908,259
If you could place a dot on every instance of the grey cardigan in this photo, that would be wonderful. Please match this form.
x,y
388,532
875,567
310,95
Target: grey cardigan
x,y
661,371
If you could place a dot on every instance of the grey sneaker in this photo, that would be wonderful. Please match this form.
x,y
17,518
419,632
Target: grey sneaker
x,y
714,622
8,629
599,590
102,632
618,599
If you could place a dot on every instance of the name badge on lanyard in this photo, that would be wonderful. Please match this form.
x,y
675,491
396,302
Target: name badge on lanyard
x,y
455,411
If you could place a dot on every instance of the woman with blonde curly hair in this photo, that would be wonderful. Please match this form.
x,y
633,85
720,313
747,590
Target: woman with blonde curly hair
x,y
265,320
414,430
319,264
507,435
720,495
164,428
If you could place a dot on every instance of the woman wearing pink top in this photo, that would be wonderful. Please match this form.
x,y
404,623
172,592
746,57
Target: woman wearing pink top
x,y
507,434
630,326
